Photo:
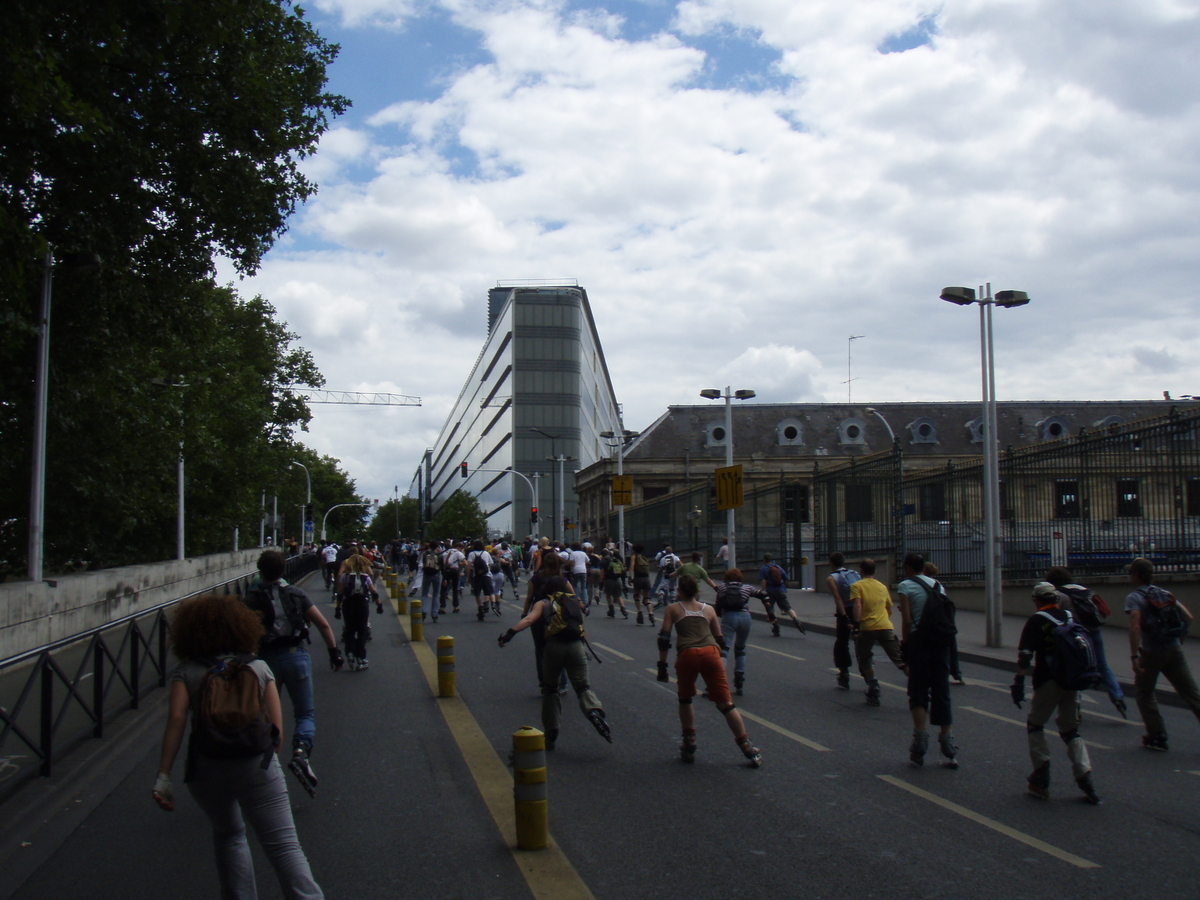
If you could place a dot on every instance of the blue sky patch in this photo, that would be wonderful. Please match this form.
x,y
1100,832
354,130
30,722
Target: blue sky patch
x,y
736,60
918,35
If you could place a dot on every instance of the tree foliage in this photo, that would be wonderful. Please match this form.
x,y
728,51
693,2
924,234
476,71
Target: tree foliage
x,y
403,514
459,516
154,135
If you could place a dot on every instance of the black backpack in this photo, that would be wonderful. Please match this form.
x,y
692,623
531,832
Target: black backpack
x,y
229,718
1090,609
937,615
1163,620
478,566
1073,662
296,631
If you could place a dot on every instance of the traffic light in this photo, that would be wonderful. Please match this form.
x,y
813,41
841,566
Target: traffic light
x,y
462,470
533,517
308,512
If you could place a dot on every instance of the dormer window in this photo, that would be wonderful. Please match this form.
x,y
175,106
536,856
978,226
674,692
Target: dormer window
x,y
923,430
852,432
789,433
1053,428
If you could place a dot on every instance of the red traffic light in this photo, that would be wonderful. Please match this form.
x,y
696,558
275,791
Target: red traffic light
x,y
463,470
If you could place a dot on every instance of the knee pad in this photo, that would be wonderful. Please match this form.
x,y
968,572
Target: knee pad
x,y
1069,736
1030,728
724,709
685,701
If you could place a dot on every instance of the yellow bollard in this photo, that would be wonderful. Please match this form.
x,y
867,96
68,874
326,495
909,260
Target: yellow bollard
x,y
401,597
418,627
445,658
529,789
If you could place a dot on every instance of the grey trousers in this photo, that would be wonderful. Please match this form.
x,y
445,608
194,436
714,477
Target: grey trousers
x,y
557,656
1046,699
227,790
1171,664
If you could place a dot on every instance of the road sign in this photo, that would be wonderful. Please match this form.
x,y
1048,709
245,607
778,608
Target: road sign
x,y
729,487
622,490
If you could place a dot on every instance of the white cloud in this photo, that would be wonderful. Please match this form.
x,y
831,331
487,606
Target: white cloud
x,y
721,234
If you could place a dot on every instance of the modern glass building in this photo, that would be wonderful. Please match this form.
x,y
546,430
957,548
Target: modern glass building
x,y
540,390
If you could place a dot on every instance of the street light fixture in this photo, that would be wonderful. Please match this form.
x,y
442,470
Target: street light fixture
x,y
179,507
891,434
714,394
993,559
307,503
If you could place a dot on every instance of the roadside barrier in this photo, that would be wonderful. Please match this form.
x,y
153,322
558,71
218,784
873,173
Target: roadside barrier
x,y
445,660
418,627
529,789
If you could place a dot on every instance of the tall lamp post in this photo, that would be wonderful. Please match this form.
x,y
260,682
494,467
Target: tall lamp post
x,y
714,394
179,503
621,438
308,531
553,456
993,558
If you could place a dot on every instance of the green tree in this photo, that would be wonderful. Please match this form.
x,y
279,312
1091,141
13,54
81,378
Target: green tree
x,y
404,512
459,516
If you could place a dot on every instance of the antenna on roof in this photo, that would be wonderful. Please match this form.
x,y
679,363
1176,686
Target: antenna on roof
x,y
849,348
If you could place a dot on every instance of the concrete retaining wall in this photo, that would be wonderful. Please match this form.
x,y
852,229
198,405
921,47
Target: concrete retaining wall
x,y
32,615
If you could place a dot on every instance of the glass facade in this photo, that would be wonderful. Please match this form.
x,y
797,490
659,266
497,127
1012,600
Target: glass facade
x,y
539,390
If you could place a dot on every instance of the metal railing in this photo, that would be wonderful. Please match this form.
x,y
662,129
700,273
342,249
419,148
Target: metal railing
x,y
47,704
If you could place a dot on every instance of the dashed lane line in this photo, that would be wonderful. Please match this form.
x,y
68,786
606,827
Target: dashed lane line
x,y
999,827
548,872
778,729
616,653
776,652
992,715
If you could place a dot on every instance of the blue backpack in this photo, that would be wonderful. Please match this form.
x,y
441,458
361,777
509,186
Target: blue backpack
x,y
1073,662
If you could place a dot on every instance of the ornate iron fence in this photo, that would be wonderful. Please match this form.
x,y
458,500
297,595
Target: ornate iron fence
x,y
858,507
47,704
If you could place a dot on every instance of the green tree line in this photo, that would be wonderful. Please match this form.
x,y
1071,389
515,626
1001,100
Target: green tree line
x,y
153,137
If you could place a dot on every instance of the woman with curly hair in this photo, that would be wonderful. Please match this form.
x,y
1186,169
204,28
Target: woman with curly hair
x,y
206,632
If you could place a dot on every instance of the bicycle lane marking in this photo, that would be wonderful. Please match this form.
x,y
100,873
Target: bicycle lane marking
x,y
999,827
548,872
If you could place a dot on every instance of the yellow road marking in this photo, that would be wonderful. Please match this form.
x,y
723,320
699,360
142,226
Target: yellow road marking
x,y
772,726
998,827
992,715
1193,772
548,872
1092,714
612,651
776,652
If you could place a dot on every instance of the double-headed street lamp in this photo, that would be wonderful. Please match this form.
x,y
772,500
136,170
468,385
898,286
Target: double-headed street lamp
x,y
993,559
308,531
714,394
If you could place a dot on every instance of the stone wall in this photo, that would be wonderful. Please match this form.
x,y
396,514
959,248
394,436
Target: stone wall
x,y
32,615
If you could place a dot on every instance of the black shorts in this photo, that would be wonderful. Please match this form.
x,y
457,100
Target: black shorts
x,y
482,584
779,600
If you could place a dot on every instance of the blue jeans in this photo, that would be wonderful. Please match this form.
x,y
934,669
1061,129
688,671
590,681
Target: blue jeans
x,y
431,583
1110,680
739,624
293,670
579,583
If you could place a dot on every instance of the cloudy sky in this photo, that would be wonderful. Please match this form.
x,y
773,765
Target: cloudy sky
x,y
740,185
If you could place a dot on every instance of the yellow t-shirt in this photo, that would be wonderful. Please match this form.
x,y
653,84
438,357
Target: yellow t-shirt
x,y
876,604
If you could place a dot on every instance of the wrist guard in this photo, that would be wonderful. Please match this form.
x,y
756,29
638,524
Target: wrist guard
x,y
507,636
662,672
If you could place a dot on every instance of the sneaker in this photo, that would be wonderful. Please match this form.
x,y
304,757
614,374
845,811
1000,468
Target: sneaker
x,y
916,750
775,629
800,625
949,750
844,680
1039,782
1089,790
600,723
687,748
352,662
301,769
739,679
751,752
639,618
1155,742
612,613
362,664
1119,703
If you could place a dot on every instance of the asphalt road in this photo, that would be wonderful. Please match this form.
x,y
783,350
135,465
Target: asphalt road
x,y
836,811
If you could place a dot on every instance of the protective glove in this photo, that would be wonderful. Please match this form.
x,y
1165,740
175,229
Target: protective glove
x,y
1017,690
336,661
379,608
662,672
164,793
507,636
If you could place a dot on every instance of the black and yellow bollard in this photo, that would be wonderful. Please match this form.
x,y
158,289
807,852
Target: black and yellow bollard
x,y
529,789
418,627
400,594
445,660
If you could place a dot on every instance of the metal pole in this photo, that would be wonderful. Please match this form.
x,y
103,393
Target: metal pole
x,y
992,437
179,520
535,476
37,490
621,506
275,521
562,497
262,519
729,513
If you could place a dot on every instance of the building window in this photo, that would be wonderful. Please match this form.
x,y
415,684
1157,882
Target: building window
x,y
1053,428
852,432
932,502
923,430
858,503
1066,499
789,432
653,493
795,504
1129,499
1193,496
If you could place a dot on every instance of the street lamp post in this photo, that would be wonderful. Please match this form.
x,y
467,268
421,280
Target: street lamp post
x,y
304,517
714,394
562,492
891,434
551,458
993,558
179,503
621,439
